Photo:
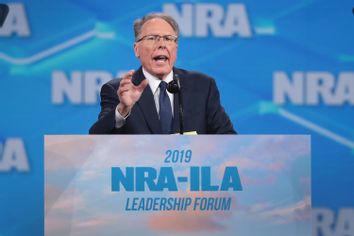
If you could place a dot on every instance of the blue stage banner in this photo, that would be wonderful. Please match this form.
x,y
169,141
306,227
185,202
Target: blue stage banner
x,y
282,67
178,185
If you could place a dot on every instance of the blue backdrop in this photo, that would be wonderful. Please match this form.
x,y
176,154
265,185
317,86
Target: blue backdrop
x,y
282,67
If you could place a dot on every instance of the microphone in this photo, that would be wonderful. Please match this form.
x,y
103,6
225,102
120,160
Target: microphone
x,y
135,80
175,87
4,11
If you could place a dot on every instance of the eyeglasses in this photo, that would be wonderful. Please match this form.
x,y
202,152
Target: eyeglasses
x,y
154,38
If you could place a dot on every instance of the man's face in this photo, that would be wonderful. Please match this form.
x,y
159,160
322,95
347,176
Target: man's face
x,y
157,57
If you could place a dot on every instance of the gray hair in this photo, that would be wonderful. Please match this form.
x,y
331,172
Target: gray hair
x,y
138,24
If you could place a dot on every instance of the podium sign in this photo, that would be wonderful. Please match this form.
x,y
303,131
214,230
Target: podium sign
x,y
178,185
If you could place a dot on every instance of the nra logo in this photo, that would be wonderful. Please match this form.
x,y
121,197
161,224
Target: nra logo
x,y
79,87
16,22
204,19
313,88
326,222
13,156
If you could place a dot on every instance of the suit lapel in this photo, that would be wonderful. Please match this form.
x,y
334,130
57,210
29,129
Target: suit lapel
x,y
147,106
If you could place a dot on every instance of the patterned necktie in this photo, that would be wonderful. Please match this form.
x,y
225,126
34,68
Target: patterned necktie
x,y
165,109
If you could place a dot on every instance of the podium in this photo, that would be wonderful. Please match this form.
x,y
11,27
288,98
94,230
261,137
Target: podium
x,y
249,185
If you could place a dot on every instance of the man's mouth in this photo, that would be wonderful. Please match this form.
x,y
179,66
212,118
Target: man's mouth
x,y
160,58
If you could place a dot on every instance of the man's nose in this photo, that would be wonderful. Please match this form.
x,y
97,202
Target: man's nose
x,y
161,42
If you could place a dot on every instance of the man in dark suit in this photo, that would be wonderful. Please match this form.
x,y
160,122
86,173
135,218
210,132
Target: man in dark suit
x,y
129,106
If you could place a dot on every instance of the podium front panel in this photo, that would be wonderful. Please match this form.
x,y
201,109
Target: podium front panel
x,y
178,185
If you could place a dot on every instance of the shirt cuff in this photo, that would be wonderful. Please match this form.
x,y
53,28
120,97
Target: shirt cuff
x,y
120,120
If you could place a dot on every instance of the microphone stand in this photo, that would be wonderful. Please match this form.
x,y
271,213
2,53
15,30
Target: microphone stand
x,y
175,87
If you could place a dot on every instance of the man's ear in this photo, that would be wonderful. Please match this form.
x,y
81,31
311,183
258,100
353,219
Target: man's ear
x,y
136,50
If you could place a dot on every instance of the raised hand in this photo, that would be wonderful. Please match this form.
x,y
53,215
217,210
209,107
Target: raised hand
x,y
128,93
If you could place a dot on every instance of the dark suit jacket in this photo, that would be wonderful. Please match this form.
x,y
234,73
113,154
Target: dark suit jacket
x,y
203,112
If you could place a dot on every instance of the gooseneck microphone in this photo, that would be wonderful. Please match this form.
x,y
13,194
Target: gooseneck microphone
x,y
175,87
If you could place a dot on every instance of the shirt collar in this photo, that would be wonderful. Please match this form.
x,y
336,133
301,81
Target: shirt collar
x,y
154,82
